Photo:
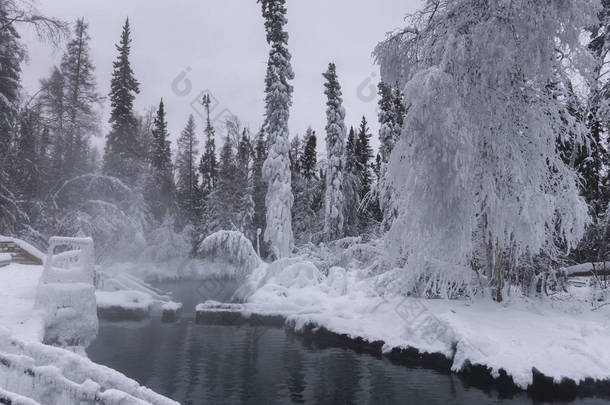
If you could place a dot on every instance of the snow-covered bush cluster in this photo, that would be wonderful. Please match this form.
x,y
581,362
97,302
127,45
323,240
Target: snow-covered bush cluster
x,y
230,252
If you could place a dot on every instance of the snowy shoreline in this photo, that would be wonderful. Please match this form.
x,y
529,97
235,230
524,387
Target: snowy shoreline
x,y
326,331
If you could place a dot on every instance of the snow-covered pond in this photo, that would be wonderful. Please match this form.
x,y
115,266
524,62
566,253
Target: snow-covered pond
x,y
211,364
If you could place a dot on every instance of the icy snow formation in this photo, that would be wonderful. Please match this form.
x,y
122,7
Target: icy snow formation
x,y
66,295
33,373
127,299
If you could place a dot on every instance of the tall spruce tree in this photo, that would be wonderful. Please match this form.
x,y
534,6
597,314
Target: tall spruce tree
x,y
208,166
335,149
187,185
278,99
352,184
351,161
364,155
224,199
122,152
309,160
387,122
160,189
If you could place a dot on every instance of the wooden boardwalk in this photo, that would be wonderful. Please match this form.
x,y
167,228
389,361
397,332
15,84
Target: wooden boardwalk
x,y
18,254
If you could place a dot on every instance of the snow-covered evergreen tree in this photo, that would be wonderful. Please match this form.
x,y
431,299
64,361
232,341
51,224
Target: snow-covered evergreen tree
x,y
278,99
224,200
352,185
364,154
122,153
387,122
160,187
10,73
335,150
307,217
208,166
309,158
479,141
187,184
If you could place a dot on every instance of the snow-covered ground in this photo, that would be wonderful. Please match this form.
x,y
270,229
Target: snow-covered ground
x,y
31,372
561,337
18,285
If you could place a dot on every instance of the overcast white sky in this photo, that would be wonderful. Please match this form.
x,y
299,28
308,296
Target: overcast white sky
x,y
220,45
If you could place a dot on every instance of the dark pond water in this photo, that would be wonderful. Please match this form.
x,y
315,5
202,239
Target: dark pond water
x,y
208,364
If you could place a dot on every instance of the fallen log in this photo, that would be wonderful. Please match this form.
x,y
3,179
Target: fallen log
x,y
587,270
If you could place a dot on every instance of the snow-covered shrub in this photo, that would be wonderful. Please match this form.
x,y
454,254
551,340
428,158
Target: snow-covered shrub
x,y
165,246
299,275
230,251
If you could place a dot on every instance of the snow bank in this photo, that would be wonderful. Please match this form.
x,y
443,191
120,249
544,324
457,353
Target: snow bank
x,y
561,339
49,374
125,299
171,306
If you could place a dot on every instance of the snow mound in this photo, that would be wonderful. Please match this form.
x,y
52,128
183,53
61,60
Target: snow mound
x,y
171,306
229,251
299,275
